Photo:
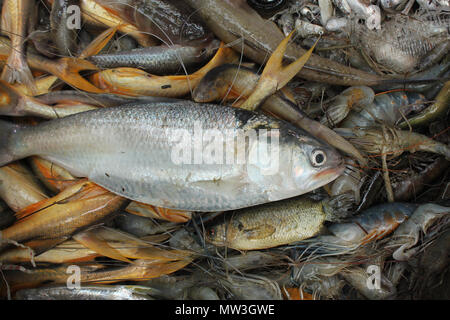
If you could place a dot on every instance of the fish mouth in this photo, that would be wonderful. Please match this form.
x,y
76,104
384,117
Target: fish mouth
x,y
330,173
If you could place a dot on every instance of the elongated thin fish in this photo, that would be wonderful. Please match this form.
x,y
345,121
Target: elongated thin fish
x,y
93,13
18,187
61,216
15,16
140,270
234,22
275,223
86,293
159,59
155,154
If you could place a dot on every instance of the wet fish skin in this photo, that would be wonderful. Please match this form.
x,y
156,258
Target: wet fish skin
x,y
160,60
128,150
136,82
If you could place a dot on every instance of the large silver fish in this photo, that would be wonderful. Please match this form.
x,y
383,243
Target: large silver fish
x,y
183,155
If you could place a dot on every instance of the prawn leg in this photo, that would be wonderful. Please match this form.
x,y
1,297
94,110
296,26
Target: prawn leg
x,y
437,109
387,180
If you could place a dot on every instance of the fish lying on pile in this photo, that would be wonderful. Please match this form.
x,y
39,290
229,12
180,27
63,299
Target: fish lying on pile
x,y
129,150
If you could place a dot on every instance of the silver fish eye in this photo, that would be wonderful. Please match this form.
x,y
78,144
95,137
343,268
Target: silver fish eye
x,y
318,157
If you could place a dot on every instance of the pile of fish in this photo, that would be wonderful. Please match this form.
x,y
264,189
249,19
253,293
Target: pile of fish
x,y
217,149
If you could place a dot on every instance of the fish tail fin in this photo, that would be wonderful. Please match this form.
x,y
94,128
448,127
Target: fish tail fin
x,y
69,73
98,43
7,130
17,70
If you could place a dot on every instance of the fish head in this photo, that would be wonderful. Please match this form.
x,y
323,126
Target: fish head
x,y
217,235
224,233
313,163
209,49
287,162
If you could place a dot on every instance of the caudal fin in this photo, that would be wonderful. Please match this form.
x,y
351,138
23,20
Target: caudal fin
x,y
7,130
17,70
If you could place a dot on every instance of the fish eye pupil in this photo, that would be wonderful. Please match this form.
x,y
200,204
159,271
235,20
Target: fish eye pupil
x,y
319,158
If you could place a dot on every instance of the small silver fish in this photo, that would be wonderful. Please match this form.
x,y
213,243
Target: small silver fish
x,y
160,60
86,293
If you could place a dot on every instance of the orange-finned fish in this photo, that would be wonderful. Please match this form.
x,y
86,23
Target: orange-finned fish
x,y
51,175
60,217
95,14
13,102
135,82
15,17
149,211
67,69
140,270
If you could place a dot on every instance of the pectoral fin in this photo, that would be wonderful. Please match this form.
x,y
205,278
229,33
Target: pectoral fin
x,y
260,232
